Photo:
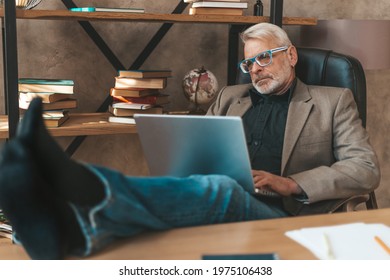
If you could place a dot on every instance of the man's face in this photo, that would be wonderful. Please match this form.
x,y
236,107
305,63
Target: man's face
x,y
276,77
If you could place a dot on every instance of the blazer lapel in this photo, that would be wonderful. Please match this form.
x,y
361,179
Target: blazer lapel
x,y
298,112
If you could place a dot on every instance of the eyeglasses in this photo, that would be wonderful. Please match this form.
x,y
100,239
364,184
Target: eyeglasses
x,y
262,59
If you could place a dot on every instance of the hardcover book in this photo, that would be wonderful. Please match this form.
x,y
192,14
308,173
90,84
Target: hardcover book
x,y
106,9
54,118
144,73
125,120
55,122
124,105
5,230
159,99
133,92
216,11
210,4
128,83
46,85
130,112
69,103
5,227
47,97
46,81
55,114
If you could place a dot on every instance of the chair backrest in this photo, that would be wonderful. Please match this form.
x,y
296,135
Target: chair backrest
x,y
328,68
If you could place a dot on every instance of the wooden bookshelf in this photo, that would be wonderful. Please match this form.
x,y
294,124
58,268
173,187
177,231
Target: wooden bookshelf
x,y
80,124
97,123
159,18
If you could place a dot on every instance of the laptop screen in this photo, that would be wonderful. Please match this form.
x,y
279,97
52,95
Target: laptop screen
x,y
181,145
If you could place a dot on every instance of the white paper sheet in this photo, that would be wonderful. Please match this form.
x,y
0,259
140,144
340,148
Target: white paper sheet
x,y
354,241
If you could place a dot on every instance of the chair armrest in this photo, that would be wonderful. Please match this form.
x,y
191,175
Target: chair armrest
x,y
350,204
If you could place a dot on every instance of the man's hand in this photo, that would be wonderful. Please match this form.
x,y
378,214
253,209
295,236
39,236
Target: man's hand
x,y
267,181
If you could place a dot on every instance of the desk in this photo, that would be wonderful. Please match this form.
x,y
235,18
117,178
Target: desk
x,y
244,237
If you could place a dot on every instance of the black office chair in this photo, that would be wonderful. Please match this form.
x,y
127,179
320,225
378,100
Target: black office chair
x,y
328,68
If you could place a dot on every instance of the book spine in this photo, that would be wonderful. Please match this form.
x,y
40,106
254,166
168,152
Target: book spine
x,y
216,11
143,100
141,74
132,92
119,10
134,106
126,120
83,9
46,82
241,5
127,83
41,88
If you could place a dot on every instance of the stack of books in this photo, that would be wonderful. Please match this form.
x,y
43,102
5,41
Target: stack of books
x,y
217,7
138,92
5,230
5,227
57,98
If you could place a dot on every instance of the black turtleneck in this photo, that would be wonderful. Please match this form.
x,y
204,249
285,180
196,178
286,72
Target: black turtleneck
x,y
264,125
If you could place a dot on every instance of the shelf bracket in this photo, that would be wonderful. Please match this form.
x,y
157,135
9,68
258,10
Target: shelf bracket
x,y
10,66
276,16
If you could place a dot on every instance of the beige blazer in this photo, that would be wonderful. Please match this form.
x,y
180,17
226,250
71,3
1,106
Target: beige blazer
x,y
326,150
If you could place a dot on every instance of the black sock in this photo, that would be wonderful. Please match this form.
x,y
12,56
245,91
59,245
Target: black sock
x,y
72,181
28,206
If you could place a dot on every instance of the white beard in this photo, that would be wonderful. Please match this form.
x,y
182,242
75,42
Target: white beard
x,y
268,88
274,83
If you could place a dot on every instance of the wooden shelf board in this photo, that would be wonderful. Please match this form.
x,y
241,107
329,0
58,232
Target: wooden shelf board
x,y
97,123
80,124
160,18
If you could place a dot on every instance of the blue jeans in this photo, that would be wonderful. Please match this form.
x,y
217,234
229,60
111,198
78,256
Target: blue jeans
x,y
136,204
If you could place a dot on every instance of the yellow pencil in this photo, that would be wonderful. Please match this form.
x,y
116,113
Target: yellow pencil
x,y
382,244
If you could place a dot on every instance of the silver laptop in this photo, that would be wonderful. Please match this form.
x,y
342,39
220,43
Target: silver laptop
x,y
181,145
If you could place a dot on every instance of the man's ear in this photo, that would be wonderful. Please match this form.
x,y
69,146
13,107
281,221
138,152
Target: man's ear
x,y
292,55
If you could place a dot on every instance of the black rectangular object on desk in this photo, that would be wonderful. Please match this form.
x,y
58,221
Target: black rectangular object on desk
x,y
263,256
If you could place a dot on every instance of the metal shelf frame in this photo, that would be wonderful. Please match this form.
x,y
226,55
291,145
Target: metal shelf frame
x,y
11,60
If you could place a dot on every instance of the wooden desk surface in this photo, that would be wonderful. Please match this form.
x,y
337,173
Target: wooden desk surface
x,y
244,237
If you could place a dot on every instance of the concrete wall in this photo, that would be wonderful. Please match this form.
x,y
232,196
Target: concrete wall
x,y
61,49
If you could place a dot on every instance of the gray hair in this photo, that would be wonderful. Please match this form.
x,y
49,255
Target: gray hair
x,y
266,31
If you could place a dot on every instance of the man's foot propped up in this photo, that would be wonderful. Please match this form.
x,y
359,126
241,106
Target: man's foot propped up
x,y
71,181
28,206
